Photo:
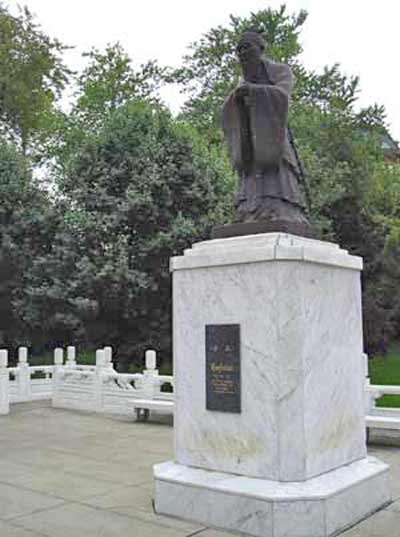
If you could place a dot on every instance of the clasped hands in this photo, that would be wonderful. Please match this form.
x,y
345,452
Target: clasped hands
x,y
243,92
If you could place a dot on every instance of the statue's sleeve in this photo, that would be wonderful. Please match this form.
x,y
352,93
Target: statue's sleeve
x,y
231,125
283,78
268,119
265,112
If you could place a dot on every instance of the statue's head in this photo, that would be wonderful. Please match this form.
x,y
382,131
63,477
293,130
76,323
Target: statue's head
x,y
250,47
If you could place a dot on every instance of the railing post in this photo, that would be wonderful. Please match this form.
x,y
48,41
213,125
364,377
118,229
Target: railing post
x,y
4,384
366,365
57,372
369,396
59,356
108,357
71,356
151,360
100,359
24,376
98,381
150,385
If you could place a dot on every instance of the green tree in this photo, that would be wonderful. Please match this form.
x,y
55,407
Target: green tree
x,y
33,76
140,190
210,70
135,186
107,82
25,232
339,145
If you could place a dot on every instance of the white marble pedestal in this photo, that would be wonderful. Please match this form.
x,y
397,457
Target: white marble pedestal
x,y
293,462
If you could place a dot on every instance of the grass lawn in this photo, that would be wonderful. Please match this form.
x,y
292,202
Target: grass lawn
x,y
386,370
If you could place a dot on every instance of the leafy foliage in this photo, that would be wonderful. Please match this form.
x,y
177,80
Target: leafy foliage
x,y
25,228
348,178
32,75
130,185
140,191
210,71
110,81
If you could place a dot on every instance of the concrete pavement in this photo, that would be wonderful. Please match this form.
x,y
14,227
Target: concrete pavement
x,y
69,474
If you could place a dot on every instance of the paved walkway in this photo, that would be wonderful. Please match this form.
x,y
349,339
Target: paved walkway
x,y
67,474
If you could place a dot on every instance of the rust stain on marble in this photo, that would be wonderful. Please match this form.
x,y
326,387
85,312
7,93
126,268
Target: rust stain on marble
x,y
227,446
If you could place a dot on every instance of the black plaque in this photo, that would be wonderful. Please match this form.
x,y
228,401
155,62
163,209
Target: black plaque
x,y
223,367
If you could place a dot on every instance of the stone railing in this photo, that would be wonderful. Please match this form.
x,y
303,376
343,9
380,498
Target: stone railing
x,y
380,417
101,389
24,382
375,392
97,388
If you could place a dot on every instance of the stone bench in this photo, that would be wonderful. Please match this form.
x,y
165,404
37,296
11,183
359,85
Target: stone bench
x,y
383,422
391,423
142,407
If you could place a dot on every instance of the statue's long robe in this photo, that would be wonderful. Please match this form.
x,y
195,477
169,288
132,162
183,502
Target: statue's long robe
x,y
257,136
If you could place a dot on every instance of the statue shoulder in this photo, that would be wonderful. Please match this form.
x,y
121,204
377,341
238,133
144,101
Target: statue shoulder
x,y
280,74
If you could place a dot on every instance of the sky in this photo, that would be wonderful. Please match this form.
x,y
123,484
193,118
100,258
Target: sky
x,y
360,35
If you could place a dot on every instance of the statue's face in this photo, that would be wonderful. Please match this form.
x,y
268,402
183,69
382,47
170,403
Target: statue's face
x,y
249,51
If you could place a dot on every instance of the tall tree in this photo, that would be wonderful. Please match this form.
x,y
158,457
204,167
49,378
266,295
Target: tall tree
x,y
210,70
339,144
32,75
108,81
26,228
140,190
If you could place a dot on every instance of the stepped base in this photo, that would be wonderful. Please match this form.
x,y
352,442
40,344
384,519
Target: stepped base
x,y
319,507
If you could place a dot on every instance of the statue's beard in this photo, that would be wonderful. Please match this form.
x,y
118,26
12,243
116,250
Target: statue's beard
x,y
249,60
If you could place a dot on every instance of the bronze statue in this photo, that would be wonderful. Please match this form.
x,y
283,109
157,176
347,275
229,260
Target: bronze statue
x,y
254,120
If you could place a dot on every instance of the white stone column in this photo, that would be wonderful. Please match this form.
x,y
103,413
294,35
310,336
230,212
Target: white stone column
x,y
369,396
100,358
57,374
98,379
151,360
290,459
71,356
108,354
59,356
24,376
4,384
150,385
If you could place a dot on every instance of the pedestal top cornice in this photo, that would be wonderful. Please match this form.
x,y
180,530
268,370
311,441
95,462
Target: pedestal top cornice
x,y
263,248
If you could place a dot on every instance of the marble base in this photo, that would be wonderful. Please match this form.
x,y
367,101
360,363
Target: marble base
x,y
298,304
319,507
292,462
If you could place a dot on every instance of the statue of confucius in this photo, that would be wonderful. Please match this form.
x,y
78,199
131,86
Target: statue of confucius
x,y
254,120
